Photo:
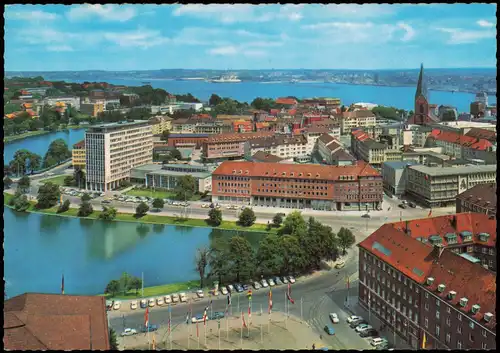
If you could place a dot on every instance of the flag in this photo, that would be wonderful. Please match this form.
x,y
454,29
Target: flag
x,y
187,318
218,322
146,318
249,313
430,212
243,318
424,342
229,299
197,330
62,284
288,294
205,316
270,301
154,342
347,280
249,294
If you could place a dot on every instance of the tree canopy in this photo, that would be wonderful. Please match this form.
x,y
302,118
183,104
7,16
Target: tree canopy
x,y
57,152
185,188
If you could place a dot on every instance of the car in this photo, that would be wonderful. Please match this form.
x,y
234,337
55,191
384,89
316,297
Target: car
x,y
200,293
117,305
109,305
245,286
175,298
128,332
377,341
340,264
362,327
183,297
284,279
216,315
412,205
256,285
328,329
291,279
239,288
230,288
151,302
144,303
205,205
230,207
403,206
133,304
149,328
369,333
277,281
168,299
353,318
323,349
264,283
334,318
175,203
356,323
215,292
160,301
197,318
223,290
366,215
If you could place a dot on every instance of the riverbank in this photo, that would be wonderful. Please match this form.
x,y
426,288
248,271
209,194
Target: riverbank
x,y
147,219
29,134
156,291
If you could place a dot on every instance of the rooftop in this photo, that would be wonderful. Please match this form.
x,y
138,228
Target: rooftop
x,y
118,125
483,195
442,171
463,140
238,137
277,141
399,164
262,156
482,134
79,144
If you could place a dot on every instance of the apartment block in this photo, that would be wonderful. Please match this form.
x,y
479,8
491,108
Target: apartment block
x,y
371,151
298,186
439,186
394,175
160,123
187,140
331,151
281,146
112,150
481,198
78,155
52,101
358,118
200,126
230,146
431,295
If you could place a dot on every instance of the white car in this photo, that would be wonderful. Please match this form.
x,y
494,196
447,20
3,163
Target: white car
x,y
151,302
133,304
353,318
264,283
175,298
129,332
340,264
183,297
334,318
205,205
160,301
117,305
363,327
271,282
200,293
378,341
168,299
223,290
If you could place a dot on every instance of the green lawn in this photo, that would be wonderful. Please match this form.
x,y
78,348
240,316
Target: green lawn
x,y
58,180
157,290
157,194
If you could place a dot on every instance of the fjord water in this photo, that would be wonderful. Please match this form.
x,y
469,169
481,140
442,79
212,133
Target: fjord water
x,y
39,249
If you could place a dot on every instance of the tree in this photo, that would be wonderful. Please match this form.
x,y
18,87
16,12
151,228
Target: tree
x,y
113,344
141,209
345,239
294,224
215,217
7,182
113,287
315,242
24,184
48,195
264,103
23,161
69,180
86,197
108,213
214,100
158,203
57,152
185,188
176,154
269,257
135,283
21,203
294,259
85,209
124,282
247,217
63,207
201,262
277,220
241,258
79,176
217,261
165,135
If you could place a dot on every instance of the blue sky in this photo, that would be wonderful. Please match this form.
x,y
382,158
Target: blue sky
x,y
151,37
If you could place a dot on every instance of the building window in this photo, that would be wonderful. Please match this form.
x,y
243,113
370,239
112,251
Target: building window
x,y
483,332
471,324
448,310
448,321
437,315
437,330
484,345
459,328
448,338
437,303
426,306
471,337
426,322
459,344
409,299
426,295
459,317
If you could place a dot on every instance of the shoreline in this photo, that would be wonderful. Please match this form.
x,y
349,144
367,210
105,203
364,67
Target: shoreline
x,y
17,138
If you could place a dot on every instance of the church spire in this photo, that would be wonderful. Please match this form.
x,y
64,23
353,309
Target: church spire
x,y
421,87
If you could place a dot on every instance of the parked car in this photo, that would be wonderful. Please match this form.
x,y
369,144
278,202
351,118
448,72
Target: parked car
x,y
230,288
245,286
412,205
200,293
149,328
284,279
271,282
183,297
264,283
160,301
256,285
353,318
205,205
223,290
106,201
175,298
363,327
128,332
133,304
291,279
378,341
334,318
278,281
197,318
144,303
369,333
168,299
403,206
366,215
216,315
117,305
239,288
340,264
328,329
356,323
151,302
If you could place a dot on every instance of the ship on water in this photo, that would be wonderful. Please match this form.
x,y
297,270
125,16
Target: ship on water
x,y
227,79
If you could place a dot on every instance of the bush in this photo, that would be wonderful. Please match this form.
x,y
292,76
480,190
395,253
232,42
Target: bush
x,y
215,217
85,209
141,209
108,213
64,206
247,217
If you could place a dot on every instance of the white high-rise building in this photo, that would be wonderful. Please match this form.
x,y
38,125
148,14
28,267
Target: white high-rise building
x,y
112,150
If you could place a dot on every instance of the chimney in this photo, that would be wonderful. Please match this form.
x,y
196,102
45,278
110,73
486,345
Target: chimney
x,y
488,317
430,281
441,288
475,308
452,294
463,302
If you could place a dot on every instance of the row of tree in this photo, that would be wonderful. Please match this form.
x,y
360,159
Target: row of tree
x,y
125,283
298,247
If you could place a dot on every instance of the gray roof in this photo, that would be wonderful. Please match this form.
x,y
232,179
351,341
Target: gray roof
x,y
399,164
440,171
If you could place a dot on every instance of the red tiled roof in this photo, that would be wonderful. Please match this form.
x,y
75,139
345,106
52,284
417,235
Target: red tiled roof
x,y
235,137
292,111
35,321
286,101
463,140
274,111
296,171
482,134
483,195
79,144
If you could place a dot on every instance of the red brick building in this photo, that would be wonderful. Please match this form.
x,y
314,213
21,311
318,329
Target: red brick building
x,y
229,146
356,187
185,140
422,114
481,198
427,289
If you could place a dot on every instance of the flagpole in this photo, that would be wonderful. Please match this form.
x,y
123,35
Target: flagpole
x,y
205,333
261,339
227,328
238,303
369,307
286,315
219,334
170,325
198,334
301,308
260,309
142,282
189,333
241,335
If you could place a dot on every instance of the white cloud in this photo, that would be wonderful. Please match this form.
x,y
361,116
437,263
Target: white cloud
x,y
229,50
59,48
484,23
36,15
141,38
463,36
410,32
118,13
339,25
350,10
233,50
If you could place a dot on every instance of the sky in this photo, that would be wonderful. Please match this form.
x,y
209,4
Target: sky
x,y
231,37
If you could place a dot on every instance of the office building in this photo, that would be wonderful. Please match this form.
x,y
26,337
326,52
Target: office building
x,y
394,176
298,186
281,146
160,123
92,109
230,146
112,150
427,293
356,119
481,198
78,155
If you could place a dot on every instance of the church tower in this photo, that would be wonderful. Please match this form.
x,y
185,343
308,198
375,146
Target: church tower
x,y
421,115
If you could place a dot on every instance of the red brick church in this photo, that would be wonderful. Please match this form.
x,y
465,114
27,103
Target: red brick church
x,y
422,115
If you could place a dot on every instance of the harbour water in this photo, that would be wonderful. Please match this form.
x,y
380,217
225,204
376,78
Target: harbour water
x,y
40,248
